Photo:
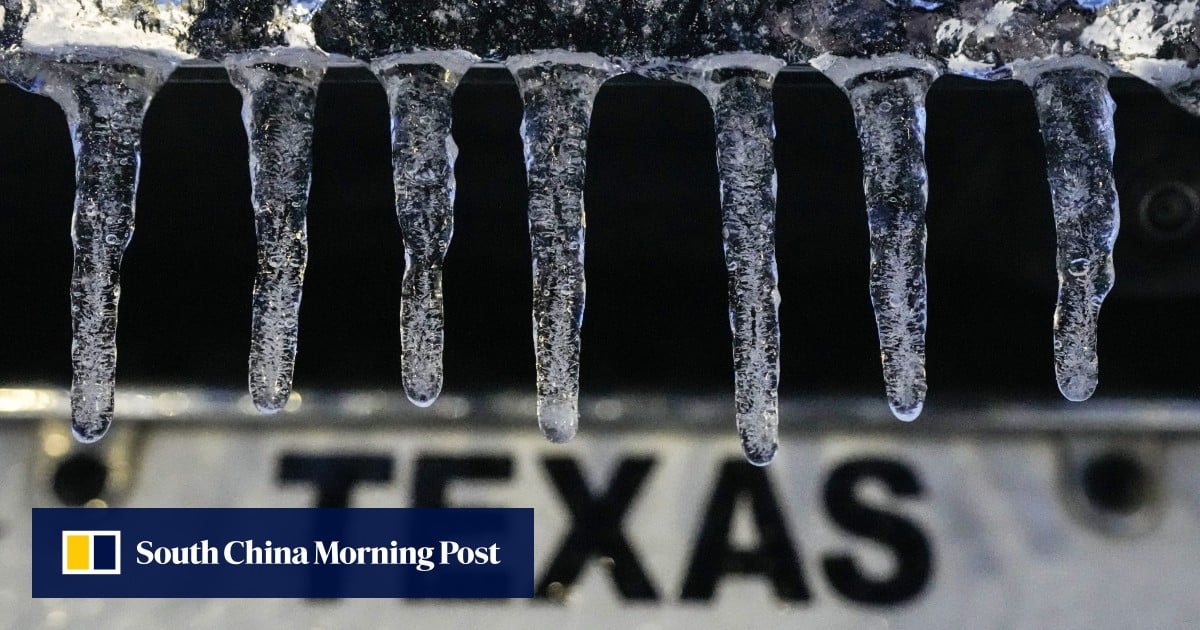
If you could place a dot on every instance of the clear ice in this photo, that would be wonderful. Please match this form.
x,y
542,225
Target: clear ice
x,y
558,89
738,88
889,111
86,56
279,95
105,99
419,88
1076,116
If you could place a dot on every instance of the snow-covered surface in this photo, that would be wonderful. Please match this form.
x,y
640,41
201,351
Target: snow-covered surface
x,y
56,26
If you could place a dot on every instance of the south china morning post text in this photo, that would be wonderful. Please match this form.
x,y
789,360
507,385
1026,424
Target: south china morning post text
x,y
334,552
322,553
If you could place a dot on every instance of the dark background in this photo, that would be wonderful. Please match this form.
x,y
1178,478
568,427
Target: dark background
x,y
656,315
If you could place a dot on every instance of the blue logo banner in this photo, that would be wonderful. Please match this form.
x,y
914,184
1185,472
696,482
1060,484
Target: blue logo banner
x,y
306,553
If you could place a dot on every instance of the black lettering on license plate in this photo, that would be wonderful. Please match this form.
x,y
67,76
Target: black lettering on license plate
x,y
596,528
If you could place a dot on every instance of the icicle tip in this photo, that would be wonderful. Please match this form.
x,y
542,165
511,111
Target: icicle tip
x,y
273,403
89,431
759,450
1077,388
906,412
558,419
422,396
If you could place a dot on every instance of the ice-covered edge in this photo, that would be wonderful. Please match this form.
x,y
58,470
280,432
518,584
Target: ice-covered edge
x,y
748,60
842,70
1027,70
563,57
1161,73
697,71
308,60
455,61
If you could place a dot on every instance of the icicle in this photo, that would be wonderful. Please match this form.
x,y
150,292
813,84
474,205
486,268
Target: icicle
x,y
1076,115
887,95
279,95
558,89
739,89
105,100
419,87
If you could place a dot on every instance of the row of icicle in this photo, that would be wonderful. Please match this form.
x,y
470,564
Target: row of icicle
x,y
105,102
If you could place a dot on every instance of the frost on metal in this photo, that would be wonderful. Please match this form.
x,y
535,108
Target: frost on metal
x,y
883,53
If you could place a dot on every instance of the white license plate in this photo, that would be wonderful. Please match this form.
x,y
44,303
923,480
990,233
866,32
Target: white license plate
x,y
1064,517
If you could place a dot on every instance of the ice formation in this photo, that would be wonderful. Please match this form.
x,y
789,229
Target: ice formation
x,y
1076,116
103,61
419,87
558,90
738,88
104,98
279,98
887,94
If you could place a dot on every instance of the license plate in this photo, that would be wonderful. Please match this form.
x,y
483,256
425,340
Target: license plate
x,y
998,517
